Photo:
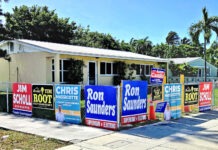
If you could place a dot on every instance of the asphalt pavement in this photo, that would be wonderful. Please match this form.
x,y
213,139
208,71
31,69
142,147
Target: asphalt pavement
x,y
194,131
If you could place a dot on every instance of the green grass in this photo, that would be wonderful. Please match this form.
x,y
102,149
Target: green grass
x,y
18,140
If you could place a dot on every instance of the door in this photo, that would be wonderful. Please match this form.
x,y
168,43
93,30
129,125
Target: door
x,y
92,73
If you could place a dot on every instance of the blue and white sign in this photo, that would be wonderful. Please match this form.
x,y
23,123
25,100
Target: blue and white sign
x,y
172,95
101,106
160,107
67,104
157,75
134,101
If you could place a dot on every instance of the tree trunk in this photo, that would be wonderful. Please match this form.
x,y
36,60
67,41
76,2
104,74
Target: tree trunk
x,y
205,62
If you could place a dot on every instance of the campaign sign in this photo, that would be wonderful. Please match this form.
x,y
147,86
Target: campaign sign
x,y
191,94
101,106
156,93
160,107
67,104
43,96
172,95
22,99
157,75
134,101
205,95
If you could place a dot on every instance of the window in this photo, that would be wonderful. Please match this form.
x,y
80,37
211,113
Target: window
x,y
108,68
64,65
137,69
145,70
11,46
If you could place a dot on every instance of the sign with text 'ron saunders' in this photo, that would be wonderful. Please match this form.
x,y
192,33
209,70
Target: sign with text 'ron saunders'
x,y
43,96
205,95
157,75
101,106
67,105
134,101
172,95
22,99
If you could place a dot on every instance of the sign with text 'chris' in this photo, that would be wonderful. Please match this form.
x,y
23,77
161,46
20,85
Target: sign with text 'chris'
x,y
67,104
22,99
157,75
205,95
134,101
101,106
43,96
172,95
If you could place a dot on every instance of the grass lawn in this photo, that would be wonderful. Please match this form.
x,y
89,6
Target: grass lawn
x,y
18,140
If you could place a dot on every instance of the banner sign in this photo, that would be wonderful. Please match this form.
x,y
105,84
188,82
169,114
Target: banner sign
x,y
191,94
157,75
22,99
134,101
156,93
43,96
101,106
205,95
67,104
160,107
172,95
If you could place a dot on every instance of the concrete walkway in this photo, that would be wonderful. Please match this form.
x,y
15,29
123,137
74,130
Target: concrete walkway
x,y
51,129
196,131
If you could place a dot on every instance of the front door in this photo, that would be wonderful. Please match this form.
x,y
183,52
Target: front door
x,y
92,71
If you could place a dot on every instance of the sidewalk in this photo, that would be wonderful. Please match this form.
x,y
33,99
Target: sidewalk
x,y
196,131
51,129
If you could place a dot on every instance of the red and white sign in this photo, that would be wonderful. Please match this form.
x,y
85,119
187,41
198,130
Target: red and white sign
x,y
133,118
22,99
205,95
111,125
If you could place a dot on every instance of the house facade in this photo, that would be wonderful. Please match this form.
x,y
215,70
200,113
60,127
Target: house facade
x,y
195,62
46,62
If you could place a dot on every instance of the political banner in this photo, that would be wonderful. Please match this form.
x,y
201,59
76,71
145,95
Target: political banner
x,y
22,99
101,106
134,101
191,94
156,93
157,75
172,95
67,104
205,95
160,107
43,96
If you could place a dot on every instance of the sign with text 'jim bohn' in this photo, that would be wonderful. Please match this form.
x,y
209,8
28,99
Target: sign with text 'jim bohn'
x,y
172,95
67,105
134,101
22,99
101,106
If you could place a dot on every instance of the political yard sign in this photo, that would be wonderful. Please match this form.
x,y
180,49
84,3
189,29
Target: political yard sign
x,y
101,106
67,105
157,75
22,99
191,94
205,95
172,95
43,96
134,101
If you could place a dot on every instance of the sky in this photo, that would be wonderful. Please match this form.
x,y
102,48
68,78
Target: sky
x,y
126,19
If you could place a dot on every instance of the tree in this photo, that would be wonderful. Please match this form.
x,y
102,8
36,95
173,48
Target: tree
x,y
205,26
2,28
171,39
39,23
185,40
141,46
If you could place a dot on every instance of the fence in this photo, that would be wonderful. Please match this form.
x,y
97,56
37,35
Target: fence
x,y
154,93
